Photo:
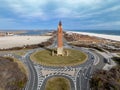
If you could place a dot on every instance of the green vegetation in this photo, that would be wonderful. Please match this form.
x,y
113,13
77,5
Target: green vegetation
x,y
74,58
57,83
98,48
21,66
12,74
107,80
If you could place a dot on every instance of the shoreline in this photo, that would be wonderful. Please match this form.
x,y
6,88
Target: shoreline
x,y
105,36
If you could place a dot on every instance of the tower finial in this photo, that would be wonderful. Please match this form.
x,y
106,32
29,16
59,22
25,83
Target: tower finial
x,y
60,23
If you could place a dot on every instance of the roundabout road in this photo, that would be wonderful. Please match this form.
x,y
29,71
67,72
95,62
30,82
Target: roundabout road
x,y
80,81
83,72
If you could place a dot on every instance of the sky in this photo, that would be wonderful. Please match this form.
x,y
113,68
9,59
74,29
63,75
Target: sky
x,y
74,14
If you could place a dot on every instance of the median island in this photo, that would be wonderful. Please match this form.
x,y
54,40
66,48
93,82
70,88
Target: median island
x,y
57,83
44,57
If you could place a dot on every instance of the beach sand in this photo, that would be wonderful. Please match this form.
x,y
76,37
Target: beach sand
x,y
19,41
111,37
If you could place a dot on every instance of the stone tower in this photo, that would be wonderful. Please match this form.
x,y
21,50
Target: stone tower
x,y
60,40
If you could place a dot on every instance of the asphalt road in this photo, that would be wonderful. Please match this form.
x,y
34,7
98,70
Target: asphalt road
x,y
33,80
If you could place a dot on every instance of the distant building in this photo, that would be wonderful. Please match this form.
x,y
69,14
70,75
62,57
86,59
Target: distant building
x,y
9,34
6,33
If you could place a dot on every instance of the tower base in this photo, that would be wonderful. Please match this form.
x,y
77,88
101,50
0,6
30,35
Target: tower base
x,y
60,51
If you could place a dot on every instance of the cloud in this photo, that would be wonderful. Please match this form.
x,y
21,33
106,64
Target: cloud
x,y
9,20
103,25
7,23
62,12
82,2
31,7
114,23
27,8
81,12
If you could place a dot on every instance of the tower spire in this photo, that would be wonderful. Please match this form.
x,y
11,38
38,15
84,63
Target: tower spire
x,y
60,23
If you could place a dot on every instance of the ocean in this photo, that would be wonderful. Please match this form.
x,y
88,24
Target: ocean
x,y
35,32
108,32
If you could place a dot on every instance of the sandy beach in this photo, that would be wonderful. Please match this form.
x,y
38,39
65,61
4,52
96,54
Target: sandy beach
x,y
19,41
111,37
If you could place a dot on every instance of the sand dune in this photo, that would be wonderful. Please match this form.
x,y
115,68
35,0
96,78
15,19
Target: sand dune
x,y
18,41
111,37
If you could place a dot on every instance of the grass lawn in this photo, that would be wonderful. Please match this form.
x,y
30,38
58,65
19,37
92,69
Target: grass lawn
x,y
44,57
57,83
